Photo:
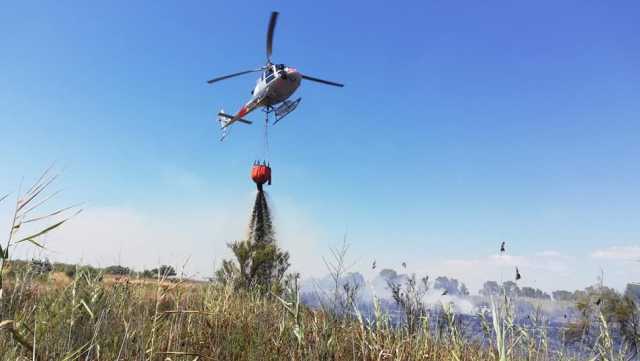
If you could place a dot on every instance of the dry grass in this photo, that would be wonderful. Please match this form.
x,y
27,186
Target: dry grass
x,y
83,318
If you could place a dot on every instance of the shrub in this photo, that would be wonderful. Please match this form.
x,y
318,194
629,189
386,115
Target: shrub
x,y
117,270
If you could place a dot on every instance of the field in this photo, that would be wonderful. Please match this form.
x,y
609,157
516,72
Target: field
x,y
91,316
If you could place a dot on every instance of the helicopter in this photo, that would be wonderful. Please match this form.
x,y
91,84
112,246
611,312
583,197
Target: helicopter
x,y
272,91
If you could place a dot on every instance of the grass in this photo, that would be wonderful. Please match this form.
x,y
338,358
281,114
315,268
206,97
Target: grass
x,y
90,317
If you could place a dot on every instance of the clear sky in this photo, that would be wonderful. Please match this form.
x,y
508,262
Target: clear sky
x,y
461,124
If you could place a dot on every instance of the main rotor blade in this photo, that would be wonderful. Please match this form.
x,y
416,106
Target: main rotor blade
x,y
322,81
232,75
270,30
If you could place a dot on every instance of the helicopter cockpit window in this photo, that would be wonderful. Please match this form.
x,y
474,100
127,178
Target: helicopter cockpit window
x,y
268,74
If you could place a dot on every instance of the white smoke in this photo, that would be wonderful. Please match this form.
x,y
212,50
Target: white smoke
x,y
378,288
461,304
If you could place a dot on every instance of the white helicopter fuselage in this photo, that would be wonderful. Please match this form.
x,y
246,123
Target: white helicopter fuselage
x,y
276,86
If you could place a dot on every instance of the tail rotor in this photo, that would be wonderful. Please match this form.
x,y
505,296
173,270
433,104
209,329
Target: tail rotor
x,y
224,122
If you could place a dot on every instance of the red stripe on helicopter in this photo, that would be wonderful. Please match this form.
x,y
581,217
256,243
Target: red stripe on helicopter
x,y
244,110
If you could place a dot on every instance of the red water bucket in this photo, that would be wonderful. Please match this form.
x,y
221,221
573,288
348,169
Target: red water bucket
x,y
261,174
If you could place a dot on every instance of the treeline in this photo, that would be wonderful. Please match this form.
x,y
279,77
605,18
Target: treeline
x,y
42,267
597,304
511,289
632,290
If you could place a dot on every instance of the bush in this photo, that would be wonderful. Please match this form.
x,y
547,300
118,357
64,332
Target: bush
x,y
67,269
75,270
562,295
164,270
117,270
41,267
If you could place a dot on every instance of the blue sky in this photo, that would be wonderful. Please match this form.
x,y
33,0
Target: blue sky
x,y
461,124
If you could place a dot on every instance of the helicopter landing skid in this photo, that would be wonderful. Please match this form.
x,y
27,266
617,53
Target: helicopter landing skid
x,y
285,108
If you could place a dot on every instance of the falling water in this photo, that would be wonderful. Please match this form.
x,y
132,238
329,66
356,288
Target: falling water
x,y
260,226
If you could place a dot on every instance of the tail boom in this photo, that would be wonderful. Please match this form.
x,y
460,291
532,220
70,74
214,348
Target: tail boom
x,y
226,120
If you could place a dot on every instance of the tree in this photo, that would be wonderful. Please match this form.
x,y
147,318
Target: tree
x,y
117,270
633,291
464,290
260,263
446,284
41,267
257,265
534,293
562,295
542,295
511,288
388,274
529,292
164,271
490,288
598,303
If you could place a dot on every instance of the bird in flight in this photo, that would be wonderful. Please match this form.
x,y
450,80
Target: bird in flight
x,y
518,276
502,249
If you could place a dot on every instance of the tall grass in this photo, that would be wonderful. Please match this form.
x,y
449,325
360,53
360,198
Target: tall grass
x,y
31,219
90,319
94,317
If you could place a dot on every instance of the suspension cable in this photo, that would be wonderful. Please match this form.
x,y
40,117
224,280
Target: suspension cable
x,y
266,136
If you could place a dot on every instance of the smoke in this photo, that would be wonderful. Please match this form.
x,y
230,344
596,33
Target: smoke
x,y
378,287
433,296
461,304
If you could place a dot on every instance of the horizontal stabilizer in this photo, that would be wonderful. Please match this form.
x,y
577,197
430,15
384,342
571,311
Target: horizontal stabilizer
x,y
226,120
229,117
